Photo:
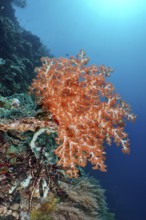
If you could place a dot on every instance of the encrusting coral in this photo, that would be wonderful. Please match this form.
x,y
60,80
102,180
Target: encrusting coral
x,y
87,109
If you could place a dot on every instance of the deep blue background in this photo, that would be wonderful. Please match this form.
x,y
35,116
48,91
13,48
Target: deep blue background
x,y
112,33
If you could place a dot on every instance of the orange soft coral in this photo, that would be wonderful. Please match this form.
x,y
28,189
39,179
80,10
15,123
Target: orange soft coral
x,y
87,109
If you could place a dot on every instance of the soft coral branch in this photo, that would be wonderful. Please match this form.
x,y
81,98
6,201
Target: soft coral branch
x,y
88,110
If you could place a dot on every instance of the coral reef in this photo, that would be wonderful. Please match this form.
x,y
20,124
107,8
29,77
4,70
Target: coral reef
x,y
81,112
6,10
16,106
87,109
44,145
19,164
20,52
30,178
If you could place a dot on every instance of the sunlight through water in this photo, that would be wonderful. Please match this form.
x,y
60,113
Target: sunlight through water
x,y
116,8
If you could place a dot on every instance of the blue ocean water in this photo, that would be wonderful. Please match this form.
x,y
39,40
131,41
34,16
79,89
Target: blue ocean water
x,y
113,33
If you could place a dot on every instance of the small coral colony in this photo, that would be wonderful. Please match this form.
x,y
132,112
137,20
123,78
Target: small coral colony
x,y
78,114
